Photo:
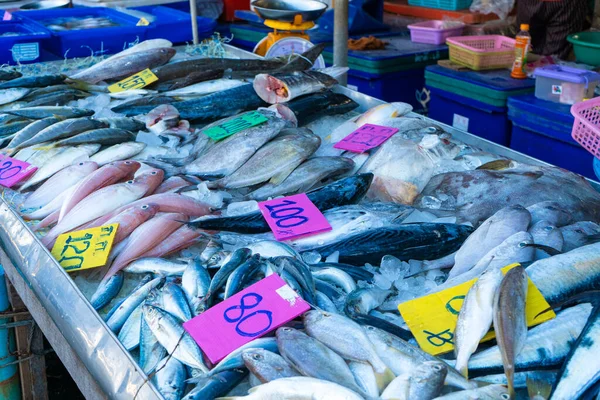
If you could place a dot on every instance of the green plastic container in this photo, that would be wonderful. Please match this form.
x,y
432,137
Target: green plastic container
x,y
587,47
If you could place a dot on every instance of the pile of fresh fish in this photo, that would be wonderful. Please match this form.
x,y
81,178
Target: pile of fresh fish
x,y
80,22
420,213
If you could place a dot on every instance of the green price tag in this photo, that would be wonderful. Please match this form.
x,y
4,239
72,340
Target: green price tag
x,y
235,125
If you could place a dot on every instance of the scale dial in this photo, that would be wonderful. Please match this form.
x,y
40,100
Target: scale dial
x,y
296,45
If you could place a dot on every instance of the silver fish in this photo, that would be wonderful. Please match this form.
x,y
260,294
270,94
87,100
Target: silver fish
x,y
424,382
118,318
546,234
549,211
158,266
267,366
170,378
580,234
491,392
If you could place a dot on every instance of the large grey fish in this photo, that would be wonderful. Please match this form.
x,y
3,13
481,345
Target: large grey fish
x,y
550,211
475,317
281,88
103,136
564,275
170,378
312,358
306,176
33,81
267,366
31,130
173,337
125,65
273,162
424,382
346,338
490,392
581,369
66,128
491,233
546,345
546,234
510,321
476,195
47,112
579,234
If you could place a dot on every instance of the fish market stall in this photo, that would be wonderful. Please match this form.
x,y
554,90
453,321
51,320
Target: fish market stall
x,y
157,160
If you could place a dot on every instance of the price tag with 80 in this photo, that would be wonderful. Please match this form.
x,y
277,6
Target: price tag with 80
x,y
14,171
245,316
293,216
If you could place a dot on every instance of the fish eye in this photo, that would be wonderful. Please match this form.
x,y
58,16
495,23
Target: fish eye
x,y
431,129
505,396
286,329
144,207
80,163
153,173
127,162
130,182
370,328
256,356
437,367
548,228
580,231
522,244
326,315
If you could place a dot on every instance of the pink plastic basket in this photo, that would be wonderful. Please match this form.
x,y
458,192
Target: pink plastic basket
x,y
434,32
586,129
482,52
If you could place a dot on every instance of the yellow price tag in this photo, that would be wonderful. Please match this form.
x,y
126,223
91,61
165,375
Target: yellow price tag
x,y
143,22
84,249
137,81
432,318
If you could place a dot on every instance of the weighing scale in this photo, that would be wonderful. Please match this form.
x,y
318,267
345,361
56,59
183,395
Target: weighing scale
x,y
289,19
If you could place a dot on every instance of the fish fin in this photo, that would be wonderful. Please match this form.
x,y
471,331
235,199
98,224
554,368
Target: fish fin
x,y
280,177
496,165
593,239
537,388
551,251
384,378
46,147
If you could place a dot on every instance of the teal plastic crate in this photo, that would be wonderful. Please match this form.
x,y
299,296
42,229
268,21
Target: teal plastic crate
x,y
452,5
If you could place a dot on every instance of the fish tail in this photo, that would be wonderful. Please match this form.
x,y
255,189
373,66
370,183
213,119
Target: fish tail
x,y
510,379
537,388
384,378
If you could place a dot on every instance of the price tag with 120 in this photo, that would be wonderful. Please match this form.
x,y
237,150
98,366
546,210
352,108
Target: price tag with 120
x,y
365,138
293,216
245,316
235,125
136,81
14,171
88,248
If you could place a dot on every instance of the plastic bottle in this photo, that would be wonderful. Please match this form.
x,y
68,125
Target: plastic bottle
x,y
523,41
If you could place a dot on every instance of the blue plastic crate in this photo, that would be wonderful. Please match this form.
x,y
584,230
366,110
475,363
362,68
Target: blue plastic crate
x,y
84,42
26,45
542,129
451,5
597,168
175,25
481,119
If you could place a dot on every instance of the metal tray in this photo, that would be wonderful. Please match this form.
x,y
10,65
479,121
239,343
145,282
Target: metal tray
x,y
99,364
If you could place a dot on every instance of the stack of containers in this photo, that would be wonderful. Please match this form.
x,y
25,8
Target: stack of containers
x,y
566,85
451,5
474,101
21,41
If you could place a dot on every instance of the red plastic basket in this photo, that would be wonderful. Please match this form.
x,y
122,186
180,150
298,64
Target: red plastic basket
x,y
586,129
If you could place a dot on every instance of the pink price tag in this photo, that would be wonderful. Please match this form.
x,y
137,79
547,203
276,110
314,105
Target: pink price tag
x,y
293,216
14,171
245,316
7,16
365,138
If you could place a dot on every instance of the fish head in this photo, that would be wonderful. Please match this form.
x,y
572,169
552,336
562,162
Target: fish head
x,y
550,211
148,210
150,178
127,167
152,315
285,112
86,167
219,258
377,114
254,357
315,316
515,248
286,333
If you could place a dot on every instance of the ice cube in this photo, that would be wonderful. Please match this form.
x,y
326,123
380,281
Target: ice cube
x,y
436,275
431,202
393,267
149,138
382,281
429,284
242,207
333,257
311,257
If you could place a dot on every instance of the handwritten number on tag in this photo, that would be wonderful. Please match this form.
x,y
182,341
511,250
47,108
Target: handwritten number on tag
x,y
282,221
240,319
5,170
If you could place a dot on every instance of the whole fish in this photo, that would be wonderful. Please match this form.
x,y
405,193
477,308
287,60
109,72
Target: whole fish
x,y
157,266
129,334
118,152
128,124
107,291
126,65
344,191
151,351
37,156
170,185
475,317
144,237
173,337
365,378
490,234
510,321
98,204
33,81
281,88
48,214
579,234
62,129
306,176
103,136
273,162
118,318
48,112
192,78
102,177
61,181
491,392
218,385
346,338
31,130
204,88
564,275
304,110
550,211
170,378
174,302
581,369
130,219
312,358
406,241
181,239
60,161
195,283
425,382
546,234
60,98
299,388
267,366
13,94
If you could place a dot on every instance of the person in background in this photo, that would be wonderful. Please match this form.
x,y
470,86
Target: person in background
x,y
551,21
